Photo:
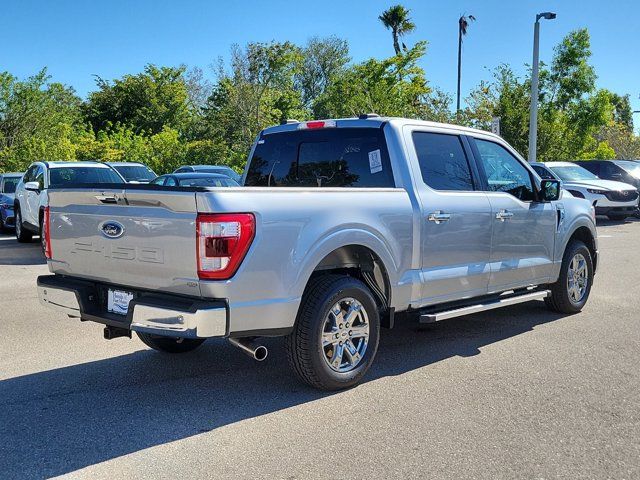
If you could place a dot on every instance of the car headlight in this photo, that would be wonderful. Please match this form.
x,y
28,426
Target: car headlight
x,y
596,191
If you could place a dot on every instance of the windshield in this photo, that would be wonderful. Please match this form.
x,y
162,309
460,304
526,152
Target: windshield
x,y
208,182
133,173
10,184
62,176
573,173
630,167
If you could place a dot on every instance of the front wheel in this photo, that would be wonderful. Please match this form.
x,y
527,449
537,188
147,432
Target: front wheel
x,y
170,344
22,234
336,335
570,293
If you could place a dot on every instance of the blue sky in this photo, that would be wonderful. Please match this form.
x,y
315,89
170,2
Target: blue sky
x,y
76,39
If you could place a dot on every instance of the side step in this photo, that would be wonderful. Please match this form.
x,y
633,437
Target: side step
x,y
481,307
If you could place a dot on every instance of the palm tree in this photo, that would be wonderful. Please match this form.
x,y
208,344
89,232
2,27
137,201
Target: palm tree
x,y
463,24
397,20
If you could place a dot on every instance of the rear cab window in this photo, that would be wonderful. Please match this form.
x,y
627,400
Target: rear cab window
x,y
63,176
329,157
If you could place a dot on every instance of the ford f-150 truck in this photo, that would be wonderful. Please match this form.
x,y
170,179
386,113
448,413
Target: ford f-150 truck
x,y
340,225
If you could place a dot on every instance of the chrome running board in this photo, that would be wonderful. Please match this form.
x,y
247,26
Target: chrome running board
x,y
481,307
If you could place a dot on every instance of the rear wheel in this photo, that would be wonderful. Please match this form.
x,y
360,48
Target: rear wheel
x,y
22,234
336,335
170,344
570,293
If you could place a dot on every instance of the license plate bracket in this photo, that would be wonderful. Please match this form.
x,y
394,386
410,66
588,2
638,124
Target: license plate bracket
x,y
118,301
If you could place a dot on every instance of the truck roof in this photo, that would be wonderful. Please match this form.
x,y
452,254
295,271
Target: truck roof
x,y
375,122
88,163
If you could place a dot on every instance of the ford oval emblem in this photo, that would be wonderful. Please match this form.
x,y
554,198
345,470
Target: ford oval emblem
x,y
112,229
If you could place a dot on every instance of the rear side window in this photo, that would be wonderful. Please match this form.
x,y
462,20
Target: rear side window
x,y
331,157
442,160
63,176
9,185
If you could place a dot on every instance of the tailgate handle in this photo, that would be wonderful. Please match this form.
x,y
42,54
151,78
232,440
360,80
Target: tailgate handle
x,y
107,198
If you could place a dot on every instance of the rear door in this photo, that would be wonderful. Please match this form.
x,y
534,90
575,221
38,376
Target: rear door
x,y
456,217
523,237
144,238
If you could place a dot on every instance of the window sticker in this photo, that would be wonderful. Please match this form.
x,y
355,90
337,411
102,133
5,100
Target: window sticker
x,y
375,161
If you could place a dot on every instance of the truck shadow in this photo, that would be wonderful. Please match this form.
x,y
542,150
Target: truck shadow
x,y
58,421
14,253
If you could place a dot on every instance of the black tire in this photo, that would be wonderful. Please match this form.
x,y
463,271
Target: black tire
x,y
22,234
560,299
617,218
305,351
170,344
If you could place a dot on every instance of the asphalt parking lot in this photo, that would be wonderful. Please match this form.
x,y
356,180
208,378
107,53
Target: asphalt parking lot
x,y
513,393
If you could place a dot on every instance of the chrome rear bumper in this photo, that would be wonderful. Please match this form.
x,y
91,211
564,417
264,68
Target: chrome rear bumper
x,y
156,314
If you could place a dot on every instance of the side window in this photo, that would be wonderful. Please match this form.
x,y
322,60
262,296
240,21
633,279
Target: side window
x,y
504,172
543,173
170,182
442,160
40,177
30,175
158,181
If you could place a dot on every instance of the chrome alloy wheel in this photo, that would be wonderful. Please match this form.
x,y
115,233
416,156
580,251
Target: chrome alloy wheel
x,y
345,335
577,278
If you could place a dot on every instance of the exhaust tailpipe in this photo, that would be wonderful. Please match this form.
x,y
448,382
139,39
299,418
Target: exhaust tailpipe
x,y
248,346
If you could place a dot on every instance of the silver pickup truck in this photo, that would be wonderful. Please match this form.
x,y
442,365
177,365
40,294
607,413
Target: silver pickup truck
x,y
340,225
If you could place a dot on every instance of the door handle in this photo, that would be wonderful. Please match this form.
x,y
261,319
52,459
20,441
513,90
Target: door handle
x,y
503,215
438,217
107,198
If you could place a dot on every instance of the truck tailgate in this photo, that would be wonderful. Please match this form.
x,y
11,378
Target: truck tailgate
x,y
142,238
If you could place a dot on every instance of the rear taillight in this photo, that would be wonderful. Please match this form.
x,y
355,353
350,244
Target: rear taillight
x,y
222,242
46,222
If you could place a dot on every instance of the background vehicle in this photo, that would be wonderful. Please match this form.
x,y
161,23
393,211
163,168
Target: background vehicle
x,y
616,200
223,169
340,224
195,179
133,171
31,197
626,171
8,183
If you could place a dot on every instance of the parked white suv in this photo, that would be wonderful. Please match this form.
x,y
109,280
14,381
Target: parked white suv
x,y
31,197
616,200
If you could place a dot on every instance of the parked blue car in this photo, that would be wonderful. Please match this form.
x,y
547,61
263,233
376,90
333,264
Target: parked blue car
x,y
8,183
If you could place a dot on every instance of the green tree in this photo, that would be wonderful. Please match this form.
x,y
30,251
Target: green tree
x,y
397,20
395,86
145,102
323,59
39,119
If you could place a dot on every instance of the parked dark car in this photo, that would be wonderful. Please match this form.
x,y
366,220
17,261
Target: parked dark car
x,y
626,171
223,169
195,179
8,183
133,172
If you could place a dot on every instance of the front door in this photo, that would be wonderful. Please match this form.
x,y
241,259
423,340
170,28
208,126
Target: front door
x,y
523,228
456,219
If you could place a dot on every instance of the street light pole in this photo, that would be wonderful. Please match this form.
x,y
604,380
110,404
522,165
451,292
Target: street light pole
x,y
533,118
